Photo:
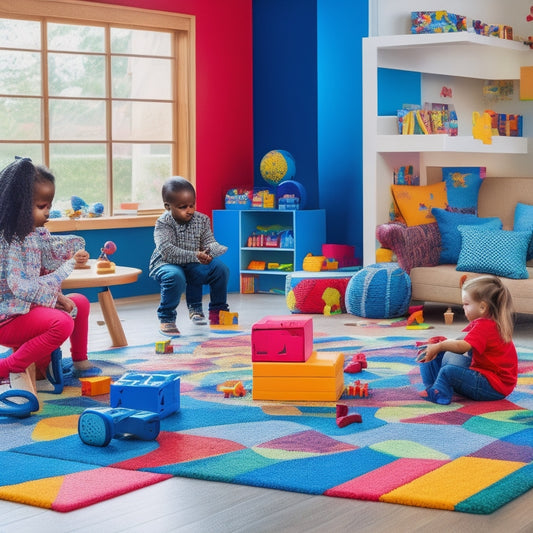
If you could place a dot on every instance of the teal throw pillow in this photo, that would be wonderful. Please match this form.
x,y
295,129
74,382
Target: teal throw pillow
x,y
449,234
498,252
462,187
523,221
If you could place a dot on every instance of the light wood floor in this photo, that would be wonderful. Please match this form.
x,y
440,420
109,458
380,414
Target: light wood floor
x,y
188,505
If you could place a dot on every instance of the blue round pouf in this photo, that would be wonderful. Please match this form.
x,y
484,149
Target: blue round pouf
x,y
382,290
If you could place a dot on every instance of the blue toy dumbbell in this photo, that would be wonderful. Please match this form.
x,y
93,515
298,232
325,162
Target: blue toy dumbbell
x,y
97,426
18,403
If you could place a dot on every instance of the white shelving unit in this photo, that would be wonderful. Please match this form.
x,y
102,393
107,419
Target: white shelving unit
x,y
464,56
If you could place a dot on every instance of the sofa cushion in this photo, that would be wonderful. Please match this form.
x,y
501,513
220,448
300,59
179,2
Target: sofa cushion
x,y
416,201
462,187
523,221
413,246
449,234
498,252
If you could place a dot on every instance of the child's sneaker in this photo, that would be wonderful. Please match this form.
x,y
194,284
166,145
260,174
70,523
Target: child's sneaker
x,y
169,329
197,317
54,375
18,396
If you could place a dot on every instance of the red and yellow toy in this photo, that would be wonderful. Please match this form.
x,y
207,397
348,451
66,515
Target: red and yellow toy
x,y
103,264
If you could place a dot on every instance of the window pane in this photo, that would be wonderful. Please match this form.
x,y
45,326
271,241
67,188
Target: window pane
x,y
80,170
139,171
141,78
74,38
20,119
21,72
142,121
20,34
90,123
76,75
141,42
9,151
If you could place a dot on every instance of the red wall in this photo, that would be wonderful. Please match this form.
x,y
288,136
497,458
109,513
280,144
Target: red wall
x,y
224,93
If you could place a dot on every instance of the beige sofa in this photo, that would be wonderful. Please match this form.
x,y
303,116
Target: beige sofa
x,y
417,249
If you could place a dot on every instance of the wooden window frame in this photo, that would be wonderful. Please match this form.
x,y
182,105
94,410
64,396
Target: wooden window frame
x,y
184,120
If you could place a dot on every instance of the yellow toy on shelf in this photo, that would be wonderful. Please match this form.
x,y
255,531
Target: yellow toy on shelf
x,y
482,127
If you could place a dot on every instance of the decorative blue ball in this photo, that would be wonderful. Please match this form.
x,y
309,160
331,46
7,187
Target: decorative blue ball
x,y
277,166
382,290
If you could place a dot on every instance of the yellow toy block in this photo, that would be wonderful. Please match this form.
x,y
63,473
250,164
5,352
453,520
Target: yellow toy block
x,y
95,386
227,318
320,378
326,364
163,346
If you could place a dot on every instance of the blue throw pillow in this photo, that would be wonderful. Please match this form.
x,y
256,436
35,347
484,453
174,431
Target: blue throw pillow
x,y
523,221
462,187
498,252
449,234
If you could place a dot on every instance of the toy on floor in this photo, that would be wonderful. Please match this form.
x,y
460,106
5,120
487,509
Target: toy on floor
x,y
163,347
103,264
227,318
158,392
357,364
318,295
346,416
98,425
448,316
232,388
358,389
416,320
95,386
18,403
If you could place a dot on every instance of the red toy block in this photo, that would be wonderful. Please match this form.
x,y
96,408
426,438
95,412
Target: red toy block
x,y
357,389
282,339
357,364
345,417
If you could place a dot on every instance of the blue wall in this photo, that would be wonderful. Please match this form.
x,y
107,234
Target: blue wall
x,y
285,87
307,100
397,87
341,26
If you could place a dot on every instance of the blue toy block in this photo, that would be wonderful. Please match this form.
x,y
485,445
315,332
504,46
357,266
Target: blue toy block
x,y
97,426
158,392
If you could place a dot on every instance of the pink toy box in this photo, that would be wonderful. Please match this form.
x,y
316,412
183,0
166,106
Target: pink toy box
x,y
282,338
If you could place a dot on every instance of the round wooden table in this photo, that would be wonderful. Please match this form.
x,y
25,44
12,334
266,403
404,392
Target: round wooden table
x,y
85,278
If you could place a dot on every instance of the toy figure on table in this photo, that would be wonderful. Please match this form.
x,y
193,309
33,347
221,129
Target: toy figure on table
x,y
103,264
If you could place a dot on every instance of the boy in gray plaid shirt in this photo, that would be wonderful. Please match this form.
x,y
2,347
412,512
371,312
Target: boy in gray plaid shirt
x,y
184,259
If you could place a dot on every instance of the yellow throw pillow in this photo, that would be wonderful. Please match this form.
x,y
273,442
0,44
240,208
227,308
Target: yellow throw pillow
x,y
415,202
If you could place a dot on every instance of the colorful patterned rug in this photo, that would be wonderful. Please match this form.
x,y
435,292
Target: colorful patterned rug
x,y
469,456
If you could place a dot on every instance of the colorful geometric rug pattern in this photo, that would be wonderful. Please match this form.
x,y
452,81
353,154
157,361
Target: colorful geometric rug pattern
x,y
469,456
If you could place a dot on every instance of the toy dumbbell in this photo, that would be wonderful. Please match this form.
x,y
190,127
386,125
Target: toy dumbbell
x,y
97,426
18,403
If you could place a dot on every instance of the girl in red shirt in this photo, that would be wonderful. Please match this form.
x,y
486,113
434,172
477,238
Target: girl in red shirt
x,y
483,365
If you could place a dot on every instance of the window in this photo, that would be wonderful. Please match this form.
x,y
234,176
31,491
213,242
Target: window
x,y
101,94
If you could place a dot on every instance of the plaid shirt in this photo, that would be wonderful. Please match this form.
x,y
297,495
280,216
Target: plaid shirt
x,y
21,264
178,244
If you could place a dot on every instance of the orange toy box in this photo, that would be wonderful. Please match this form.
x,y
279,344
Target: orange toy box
x,y
282,338
319,379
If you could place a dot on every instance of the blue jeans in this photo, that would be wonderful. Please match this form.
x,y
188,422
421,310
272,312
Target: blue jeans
x,y
174,280
450,372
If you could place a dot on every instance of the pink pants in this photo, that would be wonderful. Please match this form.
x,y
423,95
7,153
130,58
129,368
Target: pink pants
x,y
35,335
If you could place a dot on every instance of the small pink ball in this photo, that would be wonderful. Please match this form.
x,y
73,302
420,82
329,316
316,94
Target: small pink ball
x,y
110,248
